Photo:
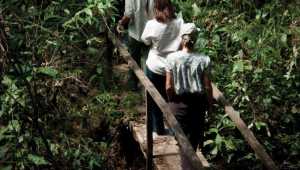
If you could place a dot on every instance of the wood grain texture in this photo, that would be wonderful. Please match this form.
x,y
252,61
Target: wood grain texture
x,y
184,144
172,122
245,131
166,153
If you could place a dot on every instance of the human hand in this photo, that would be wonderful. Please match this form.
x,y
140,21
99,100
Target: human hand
x,y
120,28
170,94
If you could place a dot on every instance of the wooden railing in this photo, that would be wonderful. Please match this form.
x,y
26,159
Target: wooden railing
x,y
184,144
245,131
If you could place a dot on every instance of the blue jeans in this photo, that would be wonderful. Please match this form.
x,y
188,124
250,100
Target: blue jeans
x,y
152,108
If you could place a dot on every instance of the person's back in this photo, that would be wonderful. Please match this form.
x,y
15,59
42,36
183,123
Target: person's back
x,y
139,12
161,34
187,71
164,38
188,86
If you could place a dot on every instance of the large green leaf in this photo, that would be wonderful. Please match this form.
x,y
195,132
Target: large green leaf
x,y
9,167
52,72
37,160
88,11
238,67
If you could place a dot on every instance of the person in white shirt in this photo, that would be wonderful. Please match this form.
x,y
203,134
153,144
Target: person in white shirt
x,y
136,14
188,86
162,33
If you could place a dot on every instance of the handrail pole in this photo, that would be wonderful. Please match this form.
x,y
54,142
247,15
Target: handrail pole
x,y
245,131
107,71
184,143
149,125
172,122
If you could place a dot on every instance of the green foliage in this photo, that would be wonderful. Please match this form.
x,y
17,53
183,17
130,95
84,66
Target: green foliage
x,y
37,160
55,110
47,71
254,47
87,15
55,48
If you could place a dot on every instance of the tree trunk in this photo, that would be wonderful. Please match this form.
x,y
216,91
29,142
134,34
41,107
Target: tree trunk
x,y
3,47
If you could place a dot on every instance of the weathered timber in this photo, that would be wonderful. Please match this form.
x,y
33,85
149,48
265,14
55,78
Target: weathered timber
x,y
185,145
218,95
107,60
246,132
3,47
166,153
149,163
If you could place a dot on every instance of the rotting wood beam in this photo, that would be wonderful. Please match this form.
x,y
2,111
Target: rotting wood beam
x,y
185,145
246,132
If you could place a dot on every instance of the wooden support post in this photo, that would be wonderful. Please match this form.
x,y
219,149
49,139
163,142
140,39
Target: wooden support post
x,y
149,125
107,71
3,47
247,133
172,122
184,143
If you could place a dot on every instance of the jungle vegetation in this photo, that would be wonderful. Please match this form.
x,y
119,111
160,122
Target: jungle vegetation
x,y
61,107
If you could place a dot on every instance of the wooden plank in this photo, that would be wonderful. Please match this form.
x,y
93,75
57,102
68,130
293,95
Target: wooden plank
x,y
166,153
202,158
107,62
246,132
185,145
149,162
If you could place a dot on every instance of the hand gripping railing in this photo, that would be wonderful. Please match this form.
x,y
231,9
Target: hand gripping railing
x,y
184,144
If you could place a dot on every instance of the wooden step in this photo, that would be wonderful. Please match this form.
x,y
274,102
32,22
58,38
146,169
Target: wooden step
x,y
166,153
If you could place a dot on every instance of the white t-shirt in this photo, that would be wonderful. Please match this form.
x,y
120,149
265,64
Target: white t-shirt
x,y
164,38
136,11
187,71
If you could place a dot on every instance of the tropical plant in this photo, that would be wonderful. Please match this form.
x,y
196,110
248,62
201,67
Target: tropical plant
x,y
254,47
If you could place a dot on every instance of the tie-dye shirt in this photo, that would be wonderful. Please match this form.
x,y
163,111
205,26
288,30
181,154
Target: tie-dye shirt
x,y
187,71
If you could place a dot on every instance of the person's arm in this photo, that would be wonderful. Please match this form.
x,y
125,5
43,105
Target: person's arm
x,y
149,33
124,21
208,89
169,86
128,14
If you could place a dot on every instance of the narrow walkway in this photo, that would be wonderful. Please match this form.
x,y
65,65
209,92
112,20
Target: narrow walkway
x,y
184,143
166,153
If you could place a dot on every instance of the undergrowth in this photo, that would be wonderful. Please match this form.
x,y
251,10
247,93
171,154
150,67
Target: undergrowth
x,y
59,109
254,47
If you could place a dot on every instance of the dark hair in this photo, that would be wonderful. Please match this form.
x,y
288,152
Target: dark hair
x,y
164,10
188,40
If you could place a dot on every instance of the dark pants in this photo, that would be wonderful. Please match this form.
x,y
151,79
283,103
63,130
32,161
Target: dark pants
x,y
152,108
189,110
136,49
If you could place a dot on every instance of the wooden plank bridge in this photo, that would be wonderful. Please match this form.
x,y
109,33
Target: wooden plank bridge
x,y
166,152
175,152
